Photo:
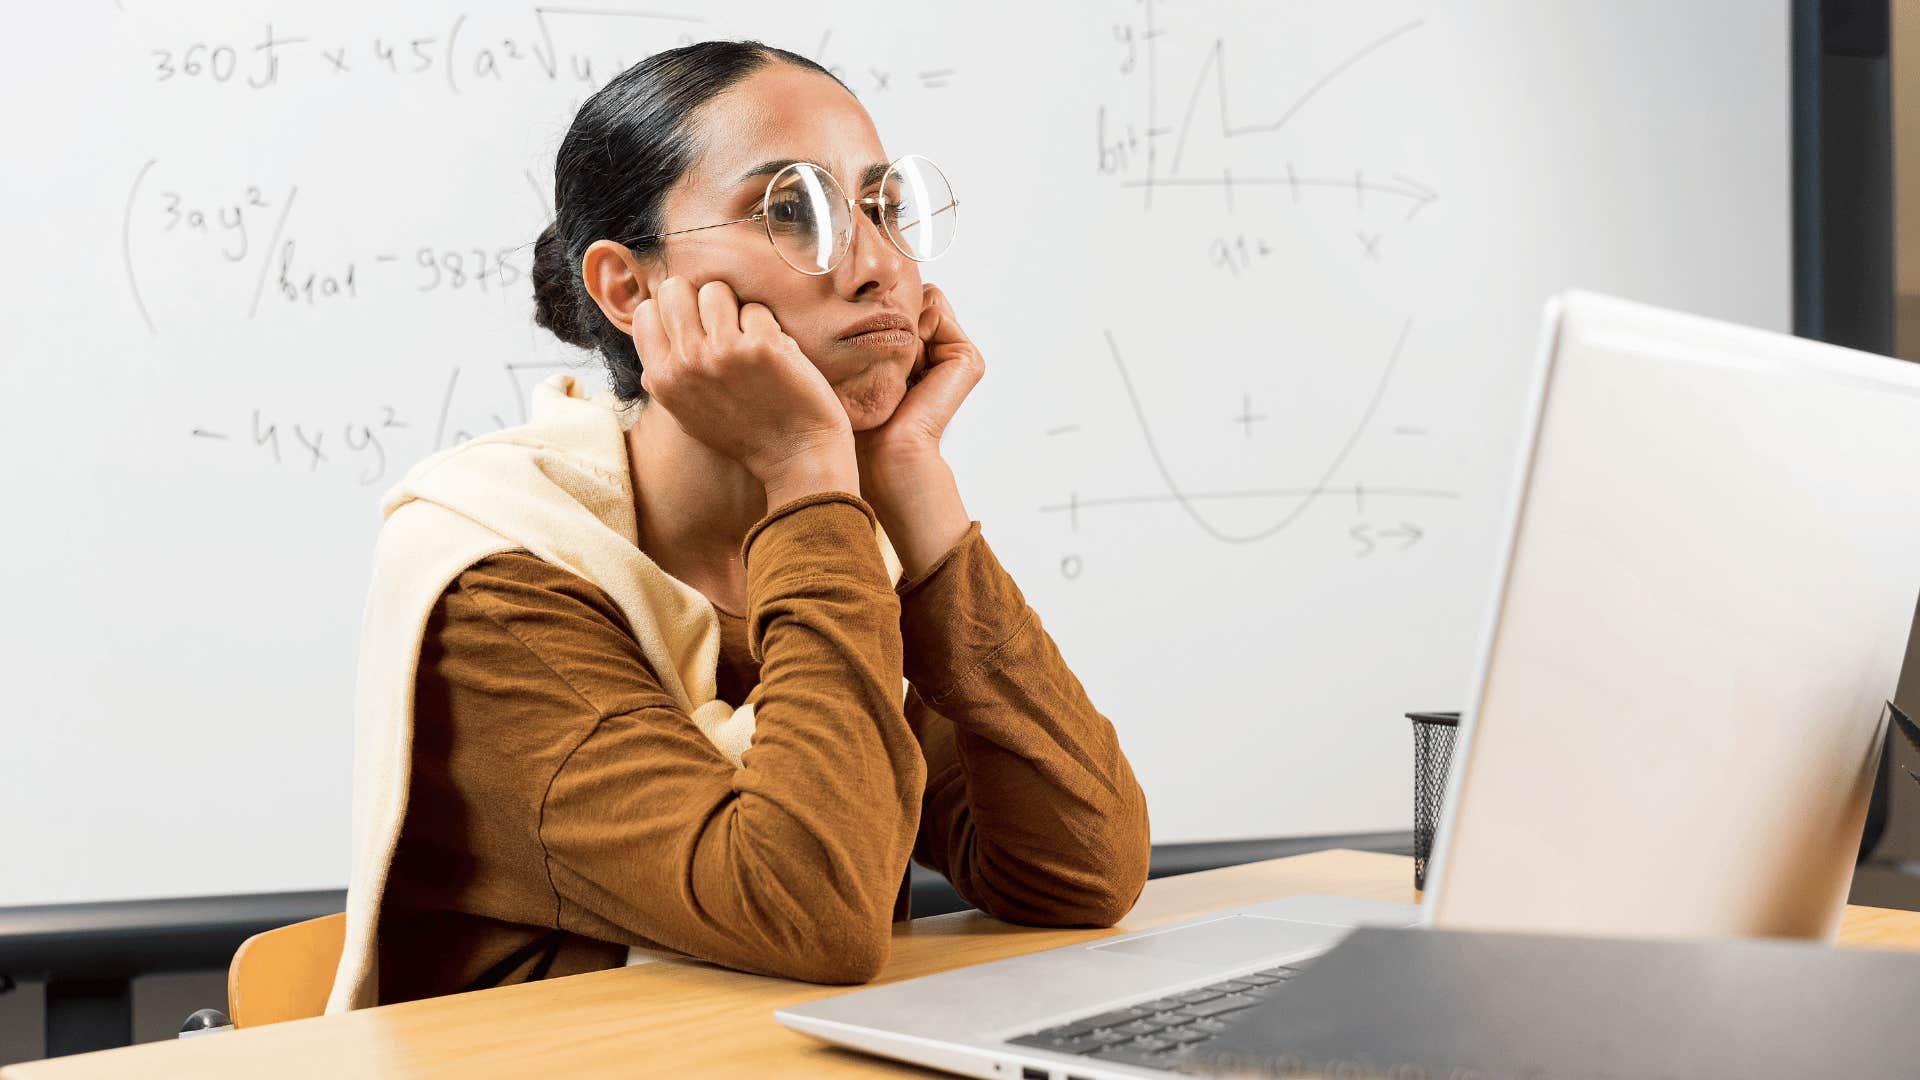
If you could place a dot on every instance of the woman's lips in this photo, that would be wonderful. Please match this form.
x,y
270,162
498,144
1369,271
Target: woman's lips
x,y
883,339
879,320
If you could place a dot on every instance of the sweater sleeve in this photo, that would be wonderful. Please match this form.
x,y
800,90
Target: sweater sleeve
x,y
1030,809
647,835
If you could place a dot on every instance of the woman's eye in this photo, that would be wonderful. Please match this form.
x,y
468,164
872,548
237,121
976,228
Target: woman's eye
x,y
787,212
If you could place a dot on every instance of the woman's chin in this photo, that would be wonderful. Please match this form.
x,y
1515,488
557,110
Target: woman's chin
x,y
873,395
870,418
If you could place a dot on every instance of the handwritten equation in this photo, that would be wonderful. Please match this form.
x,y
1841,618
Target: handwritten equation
x,y
369,447
1368,534
251,238
1155,146
536,46
459,53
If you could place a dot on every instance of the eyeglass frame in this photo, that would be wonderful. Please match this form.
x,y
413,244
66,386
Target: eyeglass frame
x,y
854,207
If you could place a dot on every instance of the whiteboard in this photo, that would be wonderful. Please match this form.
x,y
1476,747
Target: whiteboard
x,y
1257,287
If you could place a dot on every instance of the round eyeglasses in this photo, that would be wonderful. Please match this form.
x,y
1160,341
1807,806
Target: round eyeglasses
x,y
809,218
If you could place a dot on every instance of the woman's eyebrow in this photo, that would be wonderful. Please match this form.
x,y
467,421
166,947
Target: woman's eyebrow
x,y
868,178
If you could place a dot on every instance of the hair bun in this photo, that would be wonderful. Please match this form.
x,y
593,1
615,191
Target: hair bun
x,y
557,293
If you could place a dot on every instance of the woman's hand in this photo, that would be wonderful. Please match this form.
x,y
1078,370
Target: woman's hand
x,y
733,380
948,370
902,475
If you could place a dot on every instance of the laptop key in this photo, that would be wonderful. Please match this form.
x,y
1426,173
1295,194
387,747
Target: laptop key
x,y
1227,1004
1145,1026
1128,1055
1111,1019
1095,1023
1075,1044
1197,996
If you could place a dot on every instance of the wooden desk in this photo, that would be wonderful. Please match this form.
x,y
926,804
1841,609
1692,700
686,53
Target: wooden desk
x,y
701,1021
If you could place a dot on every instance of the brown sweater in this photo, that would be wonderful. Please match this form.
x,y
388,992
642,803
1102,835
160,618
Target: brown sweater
x,y
556,786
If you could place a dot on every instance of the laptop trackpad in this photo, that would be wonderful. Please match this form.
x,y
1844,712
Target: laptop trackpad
x,y
1232,940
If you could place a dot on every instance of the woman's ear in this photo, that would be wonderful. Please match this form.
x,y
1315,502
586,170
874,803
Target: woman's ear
x,y
616,280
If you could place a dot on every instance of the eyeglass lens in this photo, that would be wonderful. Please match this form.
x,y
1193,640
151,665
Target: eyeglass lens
x,y
807,218
810,226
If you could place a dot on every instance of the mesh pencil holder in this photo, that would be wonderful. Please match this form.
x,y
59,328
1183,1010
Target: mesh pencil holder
x,y
1434,735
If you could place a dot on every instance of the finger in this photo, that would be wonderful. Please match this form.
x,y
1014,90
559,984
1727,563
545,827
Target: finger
x,y
937,321
953,370
919,368
929,317
757,321
649,337
952,373
680,315
720,311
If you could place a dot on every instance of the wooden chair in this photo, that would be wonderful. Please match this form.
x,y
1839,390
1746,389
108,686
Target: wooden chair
x,y
285,974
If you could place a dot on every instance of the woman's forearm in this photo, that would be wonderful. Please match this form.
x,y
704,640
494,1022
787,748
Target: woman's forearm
x,y
1031,808
918,504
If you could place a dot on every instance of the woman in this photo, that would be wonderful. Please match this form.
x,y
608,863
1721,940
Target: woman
x,y
557,778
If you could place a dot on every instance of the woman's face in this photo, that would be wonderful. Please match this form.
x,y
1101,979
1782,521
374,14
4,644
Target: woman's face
x,y
783,113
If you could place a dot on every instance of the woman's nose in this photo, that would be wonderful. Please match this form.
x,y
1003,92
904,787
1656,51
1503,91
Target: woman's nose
x,y
872,265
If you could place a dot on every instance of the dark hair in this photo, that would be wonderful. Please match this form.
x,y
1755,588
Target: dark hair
x,y
627,145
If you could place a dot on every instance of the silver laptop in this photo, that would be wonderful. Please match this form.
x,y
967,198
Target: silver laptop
x,y
1713,554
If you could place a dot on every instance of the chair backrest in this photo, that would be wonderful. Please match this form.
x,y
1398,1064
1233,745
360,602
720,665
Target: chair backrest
x,y
285,974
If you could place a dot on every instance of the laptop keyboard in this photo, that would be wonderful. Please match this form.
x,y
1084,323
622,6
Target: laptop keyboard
x,y
1153,1033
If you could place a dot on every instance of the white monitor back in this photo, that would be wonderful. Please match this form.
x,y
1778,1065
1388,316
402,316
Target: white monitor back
x,y
1714,557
